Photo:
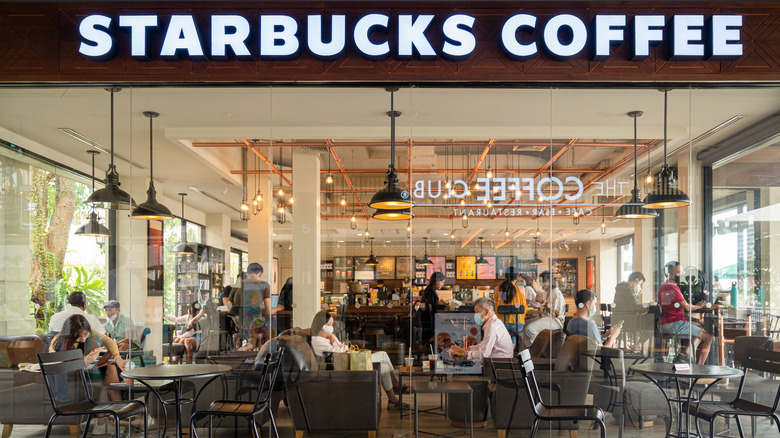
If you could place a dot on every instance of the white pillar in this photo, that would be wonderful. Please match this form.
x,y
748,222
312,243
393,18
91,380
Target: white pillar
x,y
644,257
218,236
306,237
261,240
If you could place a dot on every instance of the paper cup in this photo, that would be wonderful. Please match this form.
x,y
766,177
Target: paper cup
x,y
409,361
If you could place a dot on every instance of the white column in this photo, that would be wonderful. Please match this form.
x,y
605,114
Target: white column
x,y
644,257
306,237
261,240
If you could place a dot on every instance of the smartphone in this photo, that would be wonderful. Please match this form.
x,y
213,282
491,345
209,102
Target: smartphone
x,y
620,323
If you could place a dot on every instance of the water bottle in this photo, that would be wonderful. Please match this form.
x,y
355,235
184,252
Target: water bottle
x,y
734,300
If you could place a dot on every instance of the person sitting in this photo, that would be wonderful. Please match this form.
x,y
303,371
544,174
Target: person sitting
x,y
552,312
75,333
496,342
673,320
190,338
581,324
77,305
323,340
119,326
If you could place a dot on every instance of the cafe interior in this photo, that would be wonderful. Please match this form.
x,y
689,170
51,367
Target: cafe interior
x,y
158,202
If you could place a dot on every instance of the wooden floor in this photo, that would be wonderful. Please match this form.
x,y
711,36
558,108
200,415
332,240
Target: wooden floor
x,y
390,423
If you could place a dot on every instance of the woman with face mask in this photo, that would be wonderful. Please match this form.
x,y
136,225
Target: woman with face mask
x,y
323,340
582,324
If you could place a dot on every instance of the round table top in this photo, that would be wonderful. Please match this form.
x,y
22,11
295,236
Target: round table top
x,y
695,372
160,372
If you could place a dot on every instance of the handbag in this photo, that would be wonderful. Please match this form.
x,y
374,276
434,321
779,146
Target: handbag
x,y
341,361
359,360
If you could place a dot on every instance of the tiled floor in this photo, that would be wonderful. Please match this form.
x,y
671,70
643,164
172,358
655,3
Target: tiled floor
x,y
390,423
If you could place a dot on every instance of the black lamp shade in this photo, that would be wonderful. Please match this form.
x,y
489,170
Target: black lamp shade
x,y
392,215
111,196
371,261
481,261
151,210
425,261
391,197
635,209
93,227
666,195
183,248
537,260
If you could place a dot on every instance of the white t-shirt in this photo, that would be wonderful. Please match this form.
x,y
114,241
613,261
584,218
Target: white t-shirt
x,y
58,319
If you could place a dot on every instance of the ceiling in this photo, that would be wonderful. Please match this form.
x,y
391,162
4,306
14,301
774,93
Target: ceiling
x,y
520,123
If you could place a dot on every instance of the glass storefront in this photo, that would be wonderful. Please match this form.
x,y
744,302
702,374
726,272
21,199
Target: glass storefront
x,y
509,183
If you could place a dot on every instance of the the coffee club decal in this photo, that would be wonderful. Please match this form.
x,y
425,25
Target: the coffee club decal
x,y
379,36
501,196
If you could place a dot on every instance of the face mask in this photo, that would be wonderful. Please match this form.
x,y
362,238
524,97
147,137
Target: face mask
x,y
677,279
327,328
592,312
478,319
637,290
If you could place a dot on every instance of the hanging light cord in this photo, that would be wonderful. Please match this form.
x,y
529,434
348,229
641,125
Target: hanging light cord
x,y
112,128
151,151
392,131
636,185
666,92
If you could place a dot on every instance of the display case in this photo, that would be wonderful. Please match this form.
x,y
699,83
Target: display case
x,y
564,272
199,276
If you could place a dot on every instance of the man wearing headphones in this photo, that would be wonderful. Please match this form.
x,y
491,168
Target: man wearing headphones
x,y
673,320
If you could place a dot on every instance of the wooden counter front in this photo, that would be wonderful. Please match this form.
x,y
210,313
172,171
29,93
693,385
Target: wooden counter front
x,y
374,310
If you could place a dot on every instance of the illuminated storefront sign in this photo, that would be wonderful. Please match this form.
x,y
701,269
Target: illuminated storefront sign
x,y
378,36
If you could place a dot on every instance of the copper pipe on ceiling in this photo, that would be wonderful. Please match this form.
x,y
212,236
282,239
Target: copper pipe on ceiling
x,y
480,160
423,171
346,178
555,157
267,161
417,143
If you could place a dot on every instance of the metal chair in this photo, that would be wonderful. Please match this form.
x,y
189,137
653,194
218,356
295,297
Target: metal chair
x,y
763,361
72,361
269,369
544,412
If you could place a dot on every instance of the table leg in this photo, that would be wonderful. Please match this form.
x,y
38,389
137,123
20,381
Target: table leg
x,y
471,409
401,394
668,403
178,395
416,433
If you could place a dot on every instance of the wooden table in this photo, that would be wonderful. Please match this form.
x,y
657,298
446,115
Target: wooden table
x,y
176,373
443,388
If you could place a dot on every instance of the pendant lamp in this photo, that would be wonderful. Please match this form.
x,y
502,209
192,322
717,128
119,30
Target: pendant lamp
x,y
111,196
183,247
392,197
393,215
93,227
151,210
536,261
329,181
481,260
666,193
371,261
633,209
425,261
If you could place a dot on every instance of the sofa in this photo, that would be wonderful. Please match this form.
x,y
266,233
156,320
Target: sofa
x,y
24,394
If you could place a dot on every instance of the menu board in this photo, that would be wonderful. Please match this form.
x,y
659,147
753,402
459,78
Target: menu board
x,y
385,270
361,266
343,268
404,267
449,265
524,267
466,266
439,265
487,272
502,263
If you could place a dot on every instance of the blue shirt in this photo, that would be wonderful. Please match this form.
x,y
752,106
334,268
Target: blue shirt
x,y
584,327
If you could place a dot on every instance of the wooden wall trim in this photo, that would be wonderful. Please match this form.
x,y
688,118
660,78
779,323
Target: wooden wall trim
x,y
39,43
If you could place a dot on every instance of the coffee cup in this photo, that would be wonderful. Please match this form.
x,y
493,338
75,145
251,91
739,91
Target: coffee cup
x,y
409,362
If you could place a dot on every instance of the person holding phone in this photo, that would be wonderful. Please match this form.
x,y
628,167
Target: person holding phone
x,y
581,324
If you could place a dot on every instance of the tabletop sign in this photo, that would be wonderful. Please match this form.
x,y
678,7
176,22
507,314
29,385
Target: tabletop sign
x,y
682,367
